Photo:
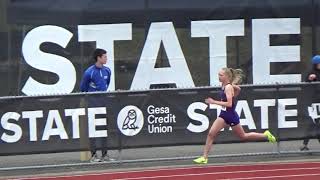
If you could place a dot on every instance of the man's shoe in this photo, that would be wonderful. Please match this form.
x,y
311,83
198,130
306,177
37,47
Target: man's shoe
x,y
94,158
106,158
304,148
201,160
270,137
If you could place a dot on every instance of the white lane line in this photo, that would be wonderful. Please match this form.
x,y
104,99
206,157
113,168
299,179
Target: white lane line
x,y
185,175
268,177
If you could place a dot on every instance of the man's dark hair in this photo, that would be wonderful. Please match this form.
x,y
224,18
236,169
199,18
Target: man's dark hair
x,y
98,52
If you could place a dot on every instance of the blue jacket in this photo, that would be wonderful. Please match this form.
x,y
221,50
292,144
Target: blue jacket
x,y
95,79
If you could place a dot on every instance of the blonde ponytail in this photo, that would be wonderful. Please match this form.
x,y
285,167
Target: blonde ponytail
x,y
236,75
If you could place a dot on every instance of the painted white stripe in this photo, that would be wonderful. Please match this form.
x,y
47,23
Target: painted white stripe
x,y
232,172
268,177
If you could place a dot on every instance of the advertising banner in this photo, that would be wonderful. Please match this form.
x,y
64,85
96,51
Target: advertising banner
x,y
151,118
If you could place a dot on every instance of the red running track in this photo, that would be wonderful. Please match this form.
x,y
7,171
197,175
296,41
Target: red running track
x,y
274,171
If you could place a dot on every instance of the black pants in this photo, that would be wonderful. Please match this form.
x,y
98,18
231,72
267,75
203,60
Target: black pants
x,y
98,142
312,130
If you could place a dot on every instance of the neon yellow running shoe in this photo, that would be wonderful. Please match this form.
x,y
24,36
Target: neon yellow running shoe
x,y
201,160
270,137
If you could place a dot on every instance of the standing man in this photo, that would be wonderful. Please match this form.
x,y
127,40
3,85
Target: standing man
x,y
313,129
97,78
